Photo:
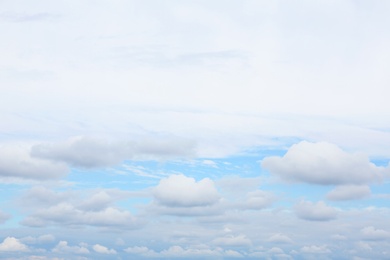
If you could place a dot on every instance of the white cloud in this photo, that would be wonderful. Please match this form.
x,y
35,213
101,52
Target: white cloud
x,y
349,192
314,211
210,163
11,244
67,214
91,152
182,191
15,162
313,249
371,233
70,209
63,247
322,163
103,250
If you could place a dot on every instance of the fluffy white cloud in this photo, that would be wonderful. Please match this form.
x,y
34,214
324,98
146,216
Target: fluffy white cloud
x,y
16,162
11,244
90,152
349,192
371,233
103,250
322,163
63,247
183,191
314,211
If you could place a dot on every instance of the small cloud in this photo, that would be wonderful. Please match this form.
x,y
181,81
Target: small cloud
x,y
314,211
349,192
371,233
11,244
103,250
210,163
63,247
182,191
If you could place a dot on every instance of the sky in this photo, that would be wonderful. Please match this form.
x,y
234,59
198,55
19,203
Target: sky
x,y
191,129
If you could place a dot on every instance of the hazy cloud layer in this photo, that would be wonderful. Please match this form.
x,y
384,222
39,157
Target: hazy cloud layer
x,y
322,163
92,152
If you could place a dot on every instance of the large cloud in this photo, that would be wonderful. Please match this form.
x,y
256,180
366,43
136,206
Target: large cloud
x,y
181,191
314,211
90,152
11,244
16,163
322,163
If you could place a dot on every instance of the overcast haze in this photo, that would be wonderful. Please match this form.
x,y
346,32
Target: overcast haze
x,y
194,129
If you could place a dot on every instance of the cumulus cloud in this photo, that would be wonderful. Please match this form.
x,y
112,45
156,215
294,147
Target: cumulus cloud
x,y
63,247
16,162
11,244
70,209
322,163
103,250
349,192
182,191
371,233
314,211
91,152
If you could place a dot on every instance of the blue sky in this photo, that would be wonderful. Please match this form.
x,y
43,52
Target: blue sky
x,y
194,129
